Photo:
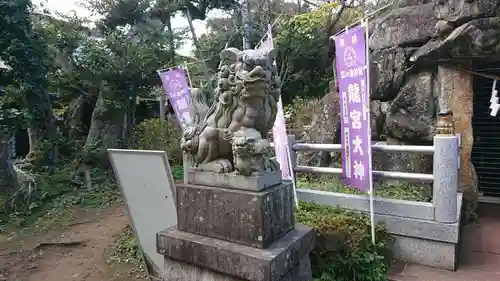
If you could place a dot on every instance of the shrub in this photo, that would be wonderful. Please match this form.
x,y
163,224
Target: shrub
x,y
344,249
303,112
155,134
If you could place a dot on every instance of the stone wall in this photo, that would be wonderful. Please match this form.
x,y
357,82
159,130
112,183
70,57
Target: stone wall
x,y
420,54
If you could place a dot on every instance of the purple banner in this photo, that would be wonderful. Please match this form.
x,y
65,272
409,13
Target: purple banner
x,y
176,86
350,52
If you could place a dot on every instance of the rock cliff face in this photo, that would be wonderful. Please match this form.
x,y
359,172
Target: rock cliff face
x,y
418,53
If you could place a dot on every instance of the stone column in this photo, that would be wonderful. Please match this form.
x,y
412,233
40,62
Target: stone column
x,y
456,95
236,228
445,188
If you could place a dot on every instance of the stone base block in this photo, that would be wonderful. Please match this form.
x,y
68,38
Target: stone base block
x,y
181,271
232,180
426,252
249,218
191,257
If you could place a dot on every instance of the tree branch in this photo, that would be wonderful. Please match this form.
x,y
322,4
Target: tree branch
x,y
339,14
311,3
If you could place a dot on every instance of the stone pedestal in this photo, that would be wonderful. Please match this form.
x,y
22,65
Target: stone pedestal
x,y
226,234
254,219
232,180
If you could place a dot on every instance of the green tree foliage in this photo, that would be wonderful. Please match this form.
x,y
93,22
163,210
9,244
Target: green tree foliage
x,y
155,134
13,115
108,67
228,29
199,8
305,53
22,50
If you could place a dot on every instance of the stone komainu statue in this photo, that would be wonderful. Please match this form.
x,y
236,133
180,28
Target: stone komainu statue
x,y
233,134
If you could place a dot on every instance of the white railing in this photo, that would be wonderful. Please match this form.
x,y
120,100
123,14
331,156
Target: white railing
x,y
445,151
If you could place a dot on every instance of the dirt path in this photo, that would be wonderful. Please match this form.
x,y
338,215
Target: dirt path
x,y
79,253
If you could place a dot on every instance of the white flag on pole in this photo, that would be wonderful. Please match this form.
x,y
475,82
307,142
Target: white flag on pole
x,y
280,136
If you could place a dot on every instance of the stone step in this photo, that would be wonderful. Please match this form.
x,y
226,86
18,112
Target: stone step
x,y
481,270
287,259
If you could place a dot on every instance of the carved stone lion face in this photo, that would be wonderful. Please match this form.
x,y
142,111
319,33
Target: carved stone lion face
x,y
251,70
243,146
253,65
255,69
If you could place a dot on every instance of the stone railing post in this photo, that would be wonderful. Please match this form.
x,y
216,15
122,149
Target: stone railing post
x,y
445,168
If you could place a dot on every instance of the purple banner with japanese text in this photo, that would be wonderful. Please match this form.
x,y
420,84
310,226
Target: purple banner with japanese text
x,y
176,86
350,49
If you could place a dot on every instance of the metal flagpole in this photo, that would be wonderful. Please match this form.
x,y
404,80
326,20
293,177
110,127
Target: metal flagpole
x,y
247,20
166,69
372,211
367,15
269,27
196,44
292,173
185,161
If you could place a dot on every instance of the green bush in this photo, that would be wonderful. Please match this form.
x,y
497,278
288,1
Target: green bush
x,y
302,112
155,134
344,249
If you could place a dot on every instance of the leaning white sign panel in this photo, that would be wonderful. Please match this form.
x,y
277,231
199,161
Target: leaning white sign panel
x,y
148,187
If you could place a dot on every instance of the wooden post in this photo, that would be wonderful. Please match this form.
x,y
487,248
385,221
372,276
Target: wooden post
x,y
189,76
161,100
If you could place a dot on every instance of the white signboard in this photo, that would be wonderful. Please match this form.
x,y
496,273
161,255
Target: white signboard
x,y
148,188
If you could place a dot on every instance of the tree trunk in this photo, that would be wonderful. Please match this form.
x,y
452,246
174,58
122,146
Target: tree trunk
x,y
43,124
107,124
129,123
77,121
34,137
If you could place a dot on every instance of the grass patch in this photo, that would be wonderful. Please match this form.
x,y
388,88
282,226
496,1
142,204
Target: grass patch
x,y
126,249
344,249
405,191
178,172
56,195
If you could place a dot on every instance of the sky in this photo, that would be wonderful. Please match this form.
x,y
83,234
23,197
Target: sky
x,y
67,6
